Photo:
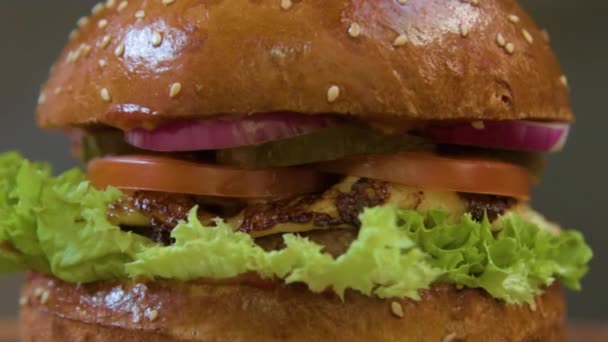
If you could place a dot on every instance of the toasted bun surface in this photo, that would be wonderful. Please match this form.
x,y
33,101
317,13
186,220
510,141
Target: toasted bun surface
x,y
168,311
149,62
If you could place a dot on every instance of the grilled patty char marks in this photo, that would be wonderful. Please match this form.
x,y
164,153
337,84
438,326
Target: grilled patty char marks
x,y
157,234
364,193
262,216
346,206
491,205
154,214
162,211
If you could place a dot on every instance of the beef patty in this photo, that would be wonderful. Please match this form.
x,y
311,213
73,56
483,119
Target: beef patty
x,y
330,218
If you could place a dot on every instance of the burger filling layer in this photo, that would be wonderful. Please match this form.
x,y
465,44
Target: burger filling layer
x,y
369,231
155,214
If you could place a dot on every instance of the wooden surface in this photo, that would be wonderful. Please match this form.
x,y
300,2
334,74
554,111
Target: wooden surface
x,y
583,332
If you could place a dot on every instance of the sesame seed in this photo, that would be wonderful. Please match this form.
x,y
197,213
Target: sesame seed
x,y
464,30
168,2
510,48
110,3
480,125
157,38
102,63
83,21
105,94
57,91
546,35
136,319
102,23
333,93
120,50
23,301
450,338
471,2
533,307
72,56
403,2
527,36
44,298
513,18
397,309
354,30
122,6
563,80
286,4
73,34
38,291
140,14
500,40
105,41
153,315
41,98
400,40
85,49
175,89
97,8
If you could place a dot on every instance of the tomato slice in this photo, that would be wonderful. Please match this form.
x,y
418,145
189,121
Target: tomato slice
x,y
153,173
430,171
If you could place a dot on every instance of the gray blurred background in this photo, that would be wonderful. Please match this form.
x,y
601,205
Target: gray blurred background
x,y
573,192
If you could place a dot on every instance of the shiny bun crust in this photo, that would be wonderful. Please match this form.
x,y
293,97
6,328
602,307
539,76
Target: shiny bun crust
x,y
137,63
173,311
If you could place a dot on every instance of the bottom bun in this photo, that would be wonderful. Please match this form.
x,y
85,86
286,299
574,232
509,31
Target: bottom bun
x,y
250,310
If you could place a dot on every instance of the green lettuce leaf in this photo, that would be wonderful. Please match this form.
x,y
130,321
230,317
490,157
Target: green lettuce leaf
x,y
512,264
382,261
58,225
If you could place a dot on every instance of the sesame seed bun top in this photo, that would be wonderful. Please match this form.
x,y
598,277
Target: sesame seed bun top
x,y
136,63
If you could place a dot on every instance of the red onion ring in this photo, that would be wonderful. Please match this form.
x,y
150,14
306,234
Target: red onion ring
x,y
508,135
227,132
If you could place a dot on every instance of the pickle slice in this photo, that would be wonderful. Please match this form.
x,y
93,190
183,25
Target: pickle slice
x,y
328,144
104,143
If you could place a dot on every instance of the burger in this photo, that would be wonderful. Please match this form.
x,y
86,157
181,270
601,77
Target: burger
x,y
295,171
